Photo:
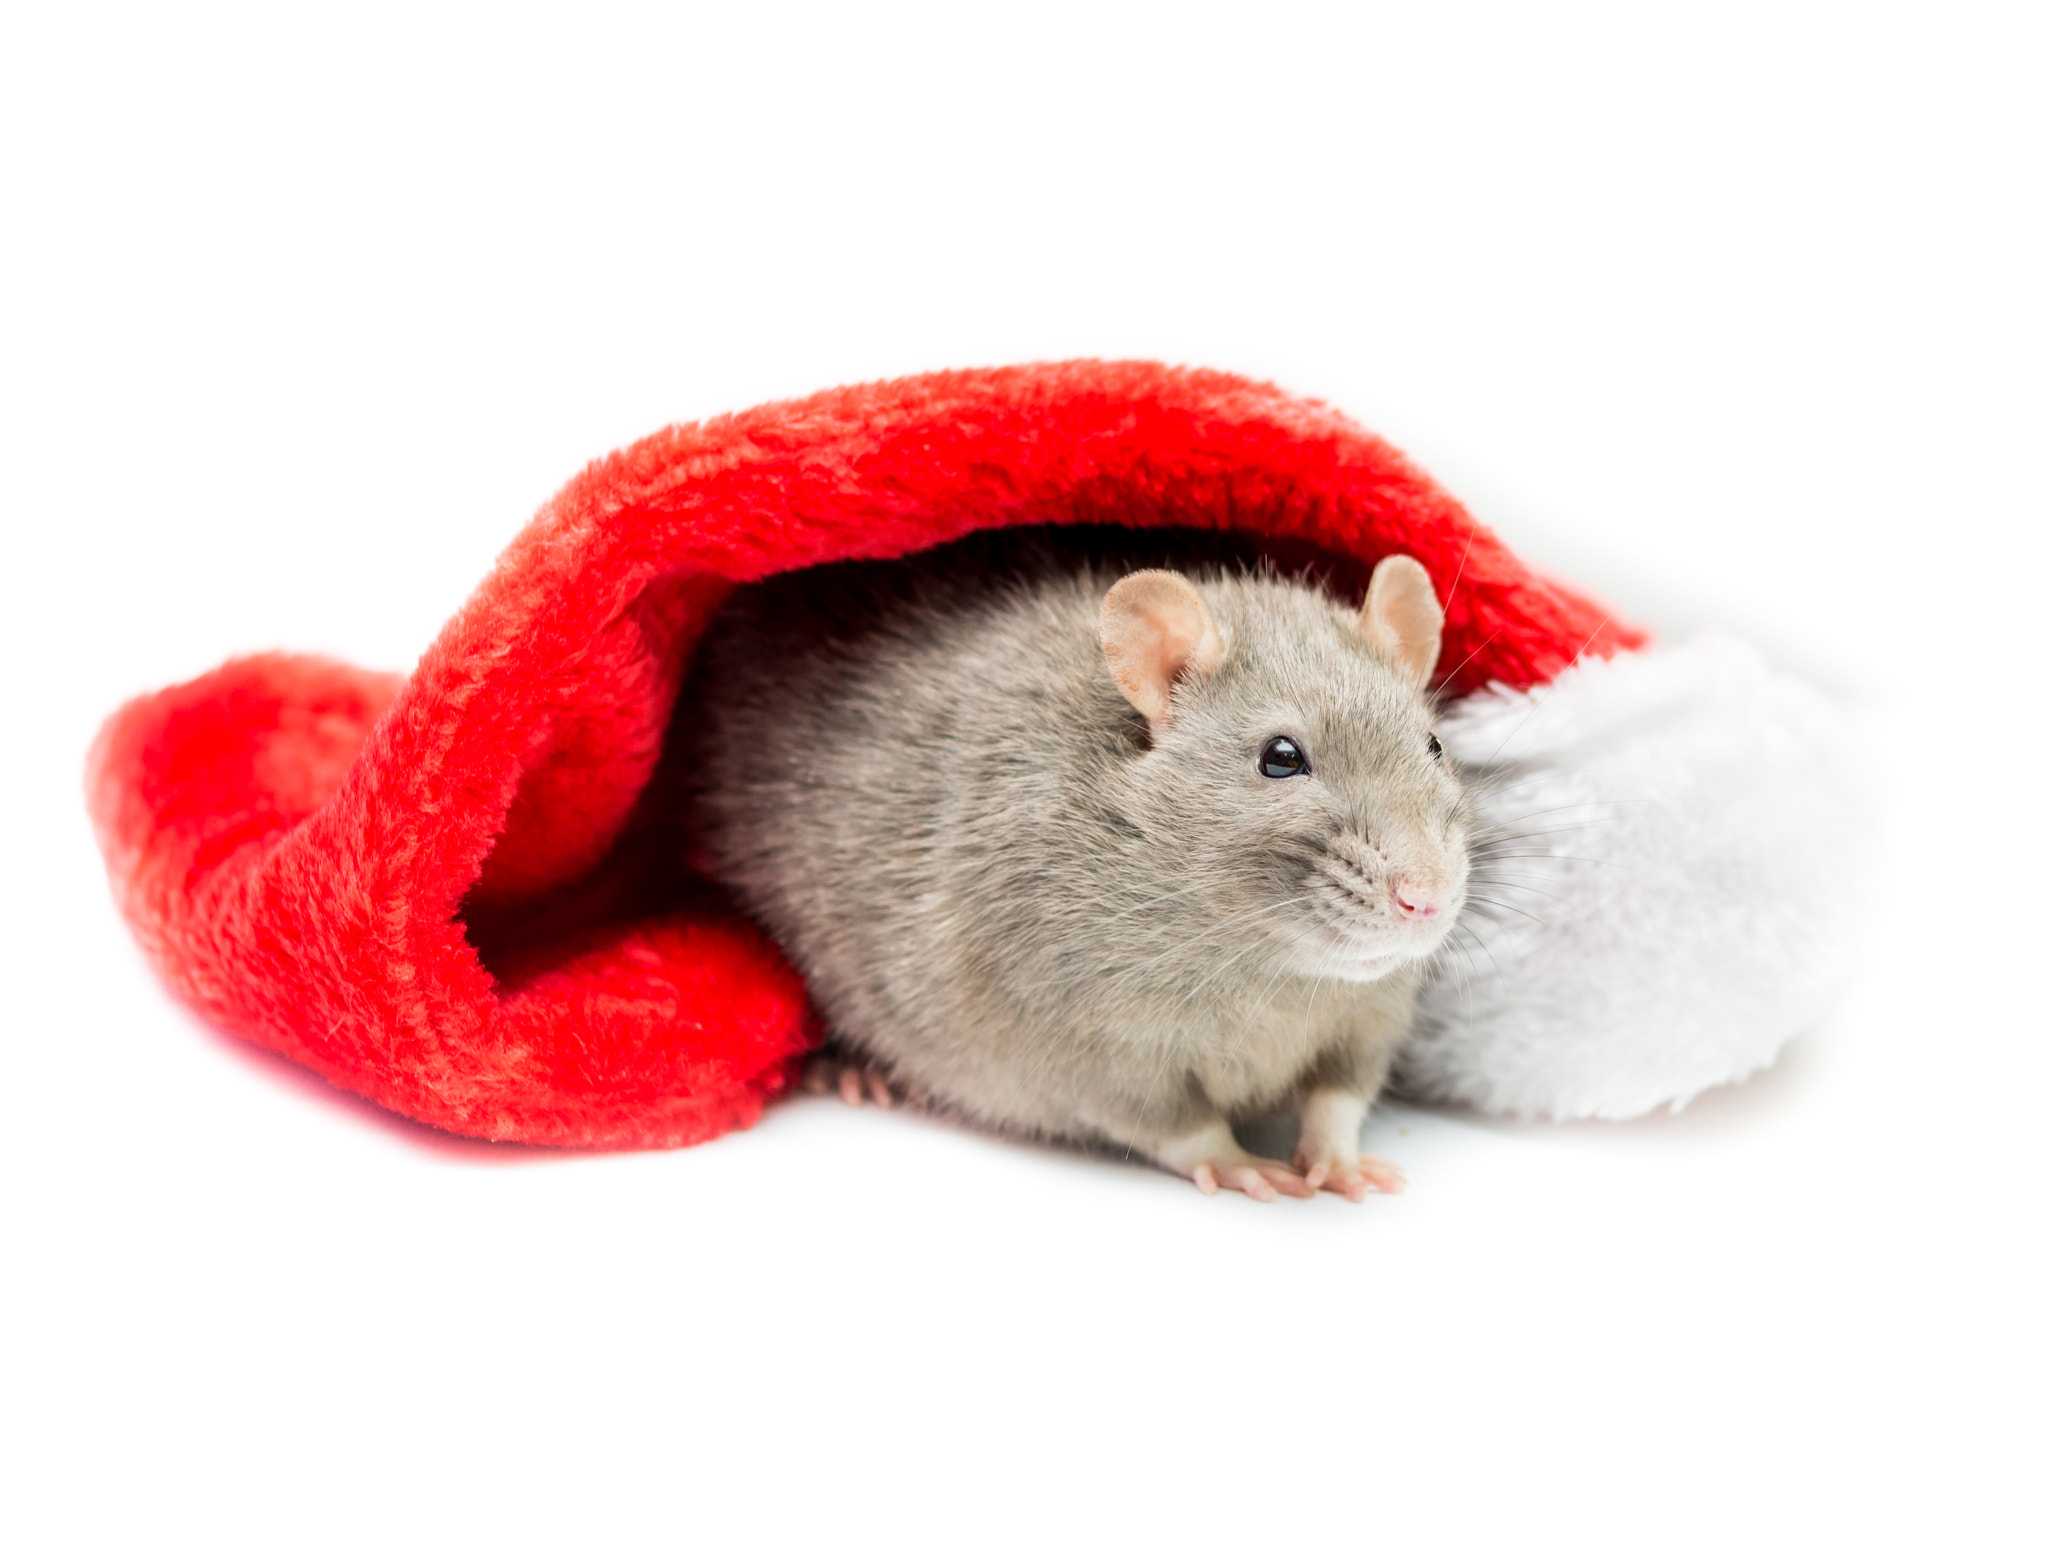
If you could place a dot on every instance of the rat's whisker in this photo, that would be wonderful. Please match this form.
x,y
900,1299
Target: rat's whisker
x,y
1511,908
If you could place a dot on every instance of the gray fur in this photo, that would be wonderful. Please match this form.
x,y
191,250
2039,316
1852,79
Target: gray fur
x,y
929,790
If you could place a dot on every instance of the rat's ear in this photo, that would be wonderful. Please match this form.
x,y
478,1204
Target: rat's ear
x,y
1401,619
1156,628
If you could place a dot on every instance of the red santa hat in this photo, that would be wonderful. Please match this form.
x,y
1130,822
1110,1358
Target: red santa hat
x,y
458,894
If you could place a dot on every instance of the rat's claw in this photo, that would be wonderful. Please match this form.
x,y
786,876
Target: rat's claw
x,y
1205,1180
849,1085
880,1090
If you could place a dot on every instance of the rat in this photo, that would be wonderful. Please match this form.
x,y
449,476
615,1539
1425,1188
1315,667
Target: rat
x,y
1111,859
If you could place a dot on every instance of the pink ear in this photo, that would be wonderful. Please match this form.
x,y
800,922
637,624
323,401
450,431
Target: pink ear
x,y
1157,628
1401,619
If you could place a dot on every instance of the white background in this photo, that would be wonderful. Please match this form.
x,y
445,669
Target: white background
x,y
1735,315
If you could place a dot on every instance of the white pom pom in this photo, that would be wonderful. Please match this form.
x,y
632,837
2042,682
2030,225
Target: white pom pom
x,y
1666,849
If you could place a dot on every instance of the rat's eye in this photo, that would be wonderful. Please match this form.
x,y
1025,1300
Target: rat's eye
x,y
1283,758
1436,748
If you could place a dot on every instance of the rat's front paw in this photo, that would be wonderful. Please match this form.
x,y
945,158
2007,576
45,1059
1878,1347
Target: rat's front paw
x,y
1258,1178
1348,1174
1210,1156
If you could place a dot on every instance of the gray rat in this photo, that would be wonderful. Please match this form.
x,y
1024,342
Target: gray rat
x,y
1108,860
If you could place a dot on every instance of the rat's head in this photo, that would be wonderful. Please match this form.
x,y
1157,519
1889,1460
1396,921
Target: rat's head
x,y
1293,775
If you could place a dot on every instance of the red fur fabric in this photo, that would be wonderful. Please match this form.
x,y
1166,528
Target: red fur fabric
x,y
458,893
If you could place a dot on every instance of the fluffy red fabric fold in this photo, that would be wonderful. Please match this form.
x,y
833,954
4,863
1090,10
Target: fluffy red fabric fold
x,y
457,893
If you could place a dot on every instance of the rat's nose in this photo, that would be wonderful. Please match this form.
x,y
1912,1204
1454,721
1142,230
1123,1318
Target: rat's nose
x,y
1418,900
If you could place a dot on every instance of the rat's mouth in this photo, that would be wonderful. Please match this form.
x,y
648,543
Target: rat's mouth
x,y
1370,940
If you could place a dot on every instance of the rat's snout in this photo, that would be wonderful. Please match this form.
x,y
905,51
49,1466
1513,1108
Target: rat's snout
x,y
1420,898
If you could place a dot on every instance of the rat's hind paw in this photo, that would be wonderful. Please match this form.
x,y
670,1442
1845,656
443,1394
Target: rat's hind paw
x,y
1349,1174
852,1081
1258,1178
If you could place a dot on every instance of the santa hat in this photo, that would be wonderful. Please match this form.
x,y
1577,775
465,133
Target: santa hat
x,y
459,893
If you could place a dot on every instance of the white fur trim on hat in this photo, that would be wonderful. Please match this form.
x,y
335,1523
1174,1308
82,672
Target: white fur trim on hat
x,y
1663,858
